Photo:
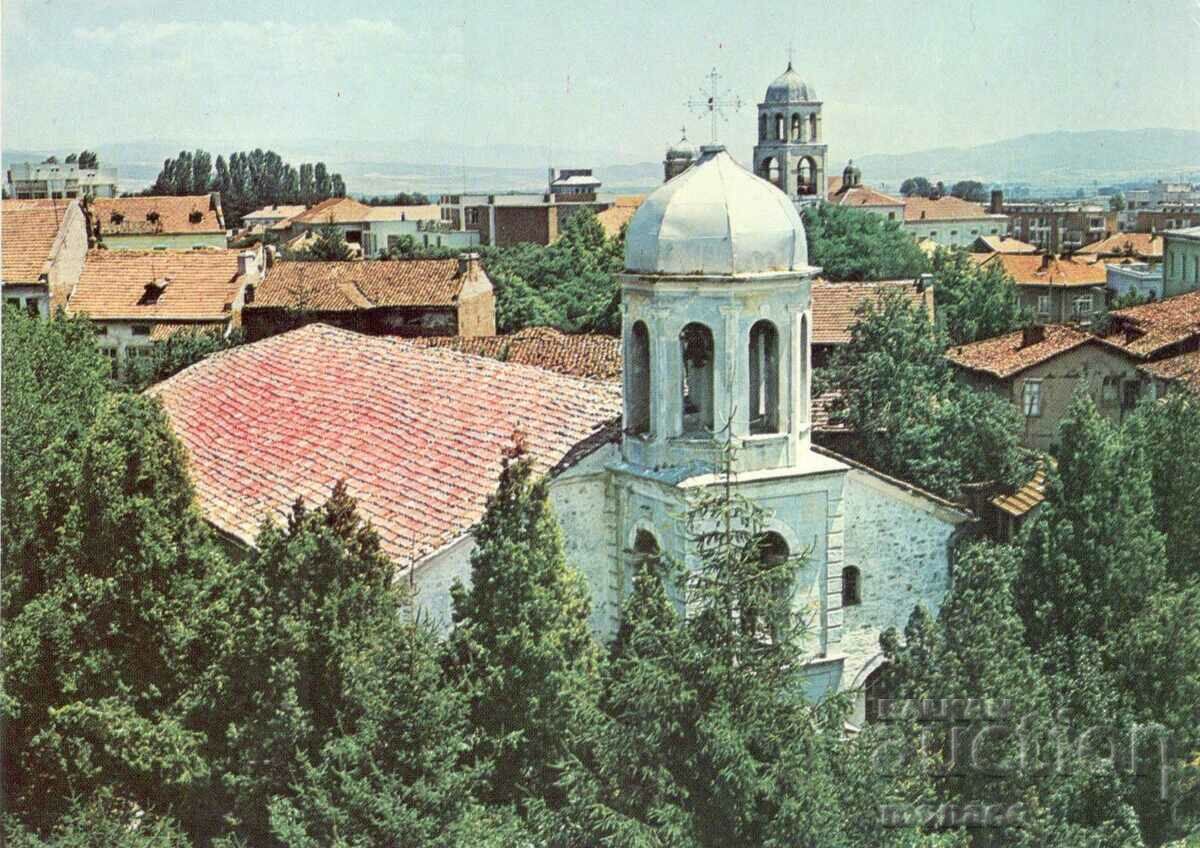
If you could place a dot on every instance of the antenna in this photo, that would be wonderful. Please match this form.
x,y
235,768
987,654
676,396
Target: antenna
x,y
714,103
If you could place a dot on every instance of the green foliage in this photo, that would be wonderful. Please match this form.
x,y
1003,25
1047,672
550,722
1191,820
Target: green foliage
x,y
1116,203
99,822
919,186
913,419
971,190
570,285
849,244
1102,317
974,302
329,246
404,198
521,647
173,354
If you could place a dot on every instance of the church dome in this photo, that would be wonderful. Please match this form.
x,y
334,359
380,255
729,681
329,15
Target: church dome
x,y
716,218
851,176
789,88
681,150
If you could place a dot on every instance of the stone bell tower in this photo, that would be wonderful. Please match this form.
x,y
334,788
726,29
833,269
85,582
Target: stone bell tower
x,y
791,146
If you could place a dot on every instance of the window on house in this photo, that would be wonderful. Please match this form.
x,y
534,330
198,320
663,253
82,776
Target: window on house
x,y
13,301
638,380
764,378
1032,398
696,353
851,586
111,353
1111,389
933,233
1082,305
32,307
1129,394
141,329
891,216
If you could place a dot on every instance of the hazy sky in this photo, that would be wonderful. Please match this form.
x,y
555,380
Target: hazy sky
x,y
894,75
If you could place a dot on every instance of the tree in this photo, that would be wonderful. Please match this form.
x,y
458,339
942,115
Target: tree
x,y
521,647
88,159
912,418
329,246
971,190
171,355
974,302
849,244
919,186
1116,203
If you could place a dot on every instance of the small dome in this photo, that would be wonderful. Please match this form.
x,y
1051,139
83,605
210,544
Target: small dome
x,y
789,88
851,176
681,150
716,218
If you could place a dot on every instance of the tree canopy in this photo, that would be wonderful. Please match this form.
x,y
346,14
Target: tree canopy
x,y
974,301
852,245
919,186
971,190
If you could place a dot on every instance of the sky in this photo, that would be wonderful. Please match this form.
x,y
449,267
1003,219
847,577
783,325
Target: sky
x,y
895,75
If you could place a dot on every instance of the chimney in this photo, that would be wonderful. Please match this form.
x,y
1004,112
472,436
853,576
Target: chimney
x,y
1032,334
249,296
997,205
468,263
924,281
245,262
1045,261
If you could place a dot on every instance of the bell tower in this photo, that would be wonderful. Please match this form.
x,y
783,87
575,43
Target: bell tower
x,y
791,147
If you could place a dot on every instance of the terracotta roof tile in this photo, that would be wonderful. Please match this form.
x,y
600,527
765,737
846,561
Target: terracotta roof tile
x,y
1141,245
27,232
1007,355
336,210
1035,270
346,286
417,434
1183,370
191,214
833,305
166,329
619,214
200,284
1147,329
1028,496
593,357
1002,244
945,208
859,195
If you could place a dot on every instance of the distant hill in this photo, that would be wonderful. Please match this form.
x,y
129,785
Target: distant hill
x,y
1049,159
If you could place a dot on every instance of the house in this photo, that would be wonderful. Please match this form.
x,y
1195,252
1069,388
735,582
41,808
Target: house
x,y
1054,289
1175,373
271,217
1181,261
1056,226
849,191
36,180
1146,247
137,297
1138,279
588,355
950,221
418,433
619,214
573,184
1039,369
374,230
42,246
835,309
1171,217
1160,329
404,297
160,223
1002,244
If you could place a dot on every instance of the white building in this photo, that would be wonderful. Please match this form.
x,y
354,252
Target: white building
x,y
34,180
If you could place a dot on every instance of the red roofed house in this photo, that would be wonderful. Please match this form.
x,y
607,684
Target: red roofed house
x,y
418,432
137,297
849,191
160,223
950,221
1055,290
402,297
1038,370
1159,329
42,245
372,231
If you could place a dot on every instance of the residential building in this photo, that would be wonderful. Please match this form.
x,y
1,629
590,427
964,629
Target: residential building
x,y
35,180
1040,368
835,309
1158,330
573,184
588,355
42,246
418,435
401,297
619,214
1173,374
849,191
1181,261
160,223
1156,198
1147,247
1054,290
1139,279
1002,243
372,231
1056,226
950,221
1178,217
271,217
138,297
791,149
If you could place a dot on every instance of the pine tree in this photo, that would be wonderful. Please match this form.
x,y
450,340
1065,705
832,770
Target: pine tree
x,y
521,646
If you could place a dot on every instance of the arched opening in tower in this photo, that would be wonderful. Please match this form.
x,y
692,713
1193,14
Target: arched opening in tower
x,y
637,404
806,177
770,171
696,352
764,378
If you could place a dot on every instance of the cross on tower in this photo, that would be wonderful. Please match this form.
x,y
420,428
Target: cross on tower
x,y
713,104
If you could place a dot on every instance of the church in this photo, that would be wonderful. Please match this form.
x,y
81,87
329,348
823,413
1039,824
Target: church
x,y
716,329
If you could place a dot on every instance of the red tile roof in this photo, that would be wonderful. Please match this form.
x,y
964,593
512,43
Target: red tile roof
x,y
594,357
1008,355
834,304
347,286
131,216
27,232
618,215
335,210
417,434
1141,245
945,208
1036,270
1002,244
1147,329
1028,496
1183,370
200,284
858,195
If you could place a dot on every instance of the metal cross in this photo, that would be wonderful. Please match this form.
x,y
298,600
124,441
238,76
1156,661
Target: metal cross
x,y
713,104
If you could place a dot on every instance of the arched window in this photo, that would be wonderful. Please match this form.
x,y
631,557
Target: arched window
x,y
812,128
769,171
764,378
802,384
875,689
797,126
762,127
806,177
696,352
851,586
637,404
780,134
766,609
645,548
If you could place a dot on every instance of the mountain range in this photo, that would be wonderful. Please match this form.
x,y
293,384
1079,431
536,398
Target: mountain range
x,y
1043,162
